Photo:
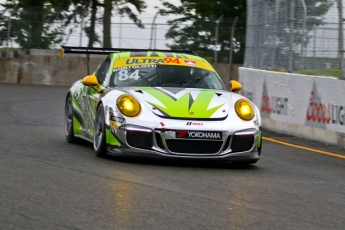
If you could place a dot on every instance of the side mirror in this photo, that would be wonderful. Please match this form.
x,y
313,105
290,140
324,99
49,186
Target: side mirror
x,y
92,81
235,86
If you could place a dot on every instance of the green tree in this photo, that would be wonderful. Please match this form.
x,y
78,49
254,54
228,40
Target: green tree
x,y
90,31
4,27
195,30
32,21
122,7
101,11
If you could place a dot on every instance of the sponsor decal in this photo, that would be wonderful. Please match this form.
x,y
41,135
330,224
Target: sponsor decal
x,y
195,123
266,108
133,67
190,62
214,135
338,114
124,75
146,61
114,125
181,134
111,114
120,119
117,118
276,105
279,105
319,114
154,61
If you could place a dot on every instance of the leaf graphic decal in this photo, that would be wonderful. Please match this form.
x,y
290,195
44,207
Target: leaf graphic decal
x,y
184,106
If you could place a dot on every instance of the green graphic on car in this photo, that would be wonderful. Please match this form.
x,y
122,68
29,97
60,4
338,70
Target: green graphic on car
x,y
184,106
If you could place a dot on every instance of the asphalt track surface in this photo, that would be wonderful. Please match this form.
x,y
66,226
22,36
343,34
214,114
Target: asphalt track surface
x,y
48,184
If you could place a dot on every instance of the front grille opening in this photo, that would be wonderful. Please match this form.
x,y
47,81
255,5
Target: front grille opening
x,y
159,141
193,146
227,143
242,143
138,139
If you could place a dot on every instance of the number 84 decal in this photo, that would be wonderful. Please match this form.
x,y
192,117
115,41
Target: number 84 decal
x,y
125,75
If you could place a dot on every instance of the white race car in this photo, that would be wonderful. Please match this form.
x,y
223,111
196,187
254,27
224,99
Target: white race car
x,y
161,103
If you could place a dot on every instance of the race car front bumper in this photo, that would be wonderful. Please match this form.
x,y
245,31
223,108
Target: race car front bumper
x,y
218,145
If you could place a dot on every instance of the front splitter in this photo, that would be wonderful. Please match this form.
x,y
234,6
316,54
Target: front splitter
x,y
234,157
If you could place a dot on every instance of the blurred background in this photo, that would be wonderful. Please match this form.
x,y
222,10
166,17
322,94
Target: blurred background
x,y
302,36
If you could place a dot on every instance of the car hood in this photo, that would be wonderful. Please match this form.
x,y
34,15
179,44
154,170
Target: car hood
x,y
184,103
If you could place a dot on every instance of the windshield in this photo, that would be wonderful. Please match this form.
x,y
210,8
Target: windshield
x,y
165,76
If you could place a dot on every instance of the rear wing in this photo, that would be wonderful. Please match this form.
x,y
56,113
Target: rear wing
x,y
107,51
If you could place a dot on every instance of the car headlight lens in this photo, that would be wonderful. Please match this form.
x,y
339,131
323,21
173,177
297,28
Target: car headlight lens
x,y
128,105
244,109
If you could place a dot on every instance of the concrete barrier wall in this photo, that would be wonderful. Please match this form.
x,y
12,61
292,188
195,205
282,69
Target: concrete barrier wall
x,y
45,67
310,107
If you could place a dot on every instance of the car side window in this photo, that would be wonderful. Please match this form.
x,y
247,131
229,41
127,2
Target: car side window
x,y
103,70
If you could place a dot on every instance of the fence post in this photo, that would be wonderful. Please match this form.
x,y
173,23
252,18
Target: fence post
x,y
120,32
292,24
263,36
152,44
341,39
81,28
275,34
303,32
216,40
8,37
231,44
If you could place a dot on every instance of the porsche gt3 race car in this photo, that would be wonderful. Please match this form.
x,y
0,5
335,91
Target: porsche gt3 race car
x,y
160,103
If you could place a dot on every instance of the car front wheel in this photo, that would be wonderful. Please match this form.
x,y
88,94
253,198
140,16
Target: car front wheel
x,y
69,127
99,138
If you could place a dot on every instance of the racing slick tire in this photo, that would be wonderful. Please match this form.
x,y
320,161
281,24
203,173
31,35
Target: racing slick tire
x,y
69,126
99,138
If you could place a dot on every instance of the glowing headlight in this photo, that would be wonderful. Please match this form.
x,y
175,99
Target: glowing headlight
x,y
128,105
244,109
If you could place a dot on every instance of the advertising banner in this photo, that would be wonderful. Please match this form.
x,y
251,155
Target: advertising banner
x,y
297,99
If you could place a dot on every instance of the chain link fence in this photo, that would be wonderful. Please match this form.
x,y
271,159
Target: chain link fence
x,y
295,35
124,35
209,38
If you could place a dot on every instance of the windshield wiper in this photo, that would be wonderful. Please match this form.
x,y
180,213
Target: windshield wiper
x,y
195,80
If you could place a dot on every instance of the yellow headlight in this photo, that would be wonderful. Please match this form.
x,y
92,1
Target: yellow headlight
x,y
244,109
128,105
